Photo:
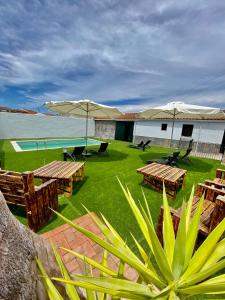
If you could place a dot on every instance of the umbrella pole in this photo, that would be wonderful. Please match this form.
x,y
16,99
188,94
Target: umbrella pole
x,y
171,139
199,135
87,124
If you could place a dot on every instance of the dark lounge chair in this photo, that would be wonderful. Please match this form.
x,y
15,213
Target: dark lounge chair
x,y
140,145
77,152
190,145
146,145
167,160
102,149
185,156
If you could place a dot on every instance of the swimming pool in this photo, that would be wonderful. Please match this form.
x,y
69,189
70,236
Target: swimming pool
x,y
30,145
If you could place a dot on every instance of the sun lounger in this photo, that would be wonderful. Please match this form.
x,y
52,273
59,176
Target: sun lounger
x,y
77,152
185,158
140,145
102,149
167,160
146,145
190,145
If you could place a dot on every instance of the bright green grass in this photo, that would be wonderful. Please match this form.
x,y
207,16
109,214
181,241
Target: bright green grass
x,y
100,192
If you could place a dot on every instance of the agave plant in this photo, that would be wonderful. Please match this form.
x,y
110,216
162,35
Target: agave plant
x,y
175,270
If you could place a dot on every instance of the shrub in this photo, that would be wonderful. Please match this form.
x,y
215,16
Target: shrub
x,y
173,271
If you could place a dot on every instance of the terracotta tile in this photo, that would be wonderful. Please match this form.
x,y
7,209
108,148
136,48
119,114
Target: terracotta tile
x,y
64,244
70,238
83,267
95,272
112,265
115,259
85,222
96,247
60,229
72,265
130,273
93,228
98,257
75,247
80,219
47,235
58,237
88,249
69,235
67,257
92,242
80,239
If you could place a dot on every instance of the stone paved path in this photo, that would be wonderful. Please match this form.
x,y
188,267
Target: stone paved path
x,y
70,238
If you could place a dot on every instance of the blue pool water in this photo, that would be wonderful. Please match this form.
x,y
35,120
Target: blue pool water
x,y
29,145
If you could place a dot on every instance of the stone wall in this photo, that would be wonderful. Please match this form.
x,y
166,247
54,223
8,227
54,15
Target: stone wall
x,y
105,129
201,147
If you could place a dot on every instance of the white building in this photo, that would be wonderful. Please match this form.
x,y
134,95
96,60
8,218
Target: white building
x,y
208,135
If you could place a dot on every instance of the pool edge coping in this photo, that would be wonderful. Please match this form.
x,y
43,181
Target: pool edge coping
x,y
17,147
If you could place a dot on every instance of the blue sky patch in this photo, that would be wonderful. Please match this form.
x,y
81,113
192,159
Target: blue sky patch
x,y
130,54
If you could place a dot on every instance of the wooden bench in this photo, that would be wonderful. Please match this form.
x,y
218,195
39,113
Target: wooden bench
x,y
220,176
19,189
155,174
213,210
65,172
215,183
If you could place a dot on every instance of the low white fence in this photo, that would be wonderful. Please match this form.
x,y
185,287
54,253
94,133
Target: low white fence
x,y
14,125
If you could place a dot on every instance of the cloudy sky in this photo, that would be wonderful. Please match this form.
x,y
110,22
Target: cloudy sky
x,y
126,53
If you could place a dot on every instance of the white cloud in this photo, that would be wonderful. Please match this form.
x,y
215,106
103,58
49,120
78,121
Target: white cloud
x,y
112,50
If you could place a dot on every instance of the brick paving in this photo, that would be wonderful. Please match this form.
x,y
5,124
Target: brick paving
x,y
70,238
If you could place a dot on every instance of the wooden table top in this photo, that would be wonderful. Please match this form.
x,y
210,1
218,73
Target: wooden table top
x,y
162,172
58,169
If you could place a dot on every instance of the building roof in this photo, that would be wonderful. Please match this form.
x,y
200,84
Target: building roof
x,y
130,116
124,117
26,111
15,110
164,117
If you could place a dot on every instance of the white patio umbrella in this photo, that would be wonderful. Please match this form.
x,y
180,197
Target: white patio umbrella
x,y
83,108
179,110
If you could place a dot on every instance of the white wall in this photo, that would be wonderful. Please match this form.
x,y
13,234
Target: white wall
x,y
14,125
210,131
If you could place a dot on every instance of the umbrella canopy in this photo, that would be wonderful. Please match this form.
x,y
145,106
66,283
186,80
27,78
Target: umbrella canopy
x,y
180,110
83,108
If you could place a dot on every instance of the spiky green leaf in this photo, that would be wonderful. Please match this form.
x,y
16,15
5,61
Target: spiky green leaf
x,y
204,251
193,231
52,291
120,253
168,231
180,249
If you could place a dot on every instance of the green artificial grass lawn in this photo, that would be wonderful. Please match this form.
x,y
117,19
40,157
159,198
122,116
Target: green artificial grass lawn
x,y
100,191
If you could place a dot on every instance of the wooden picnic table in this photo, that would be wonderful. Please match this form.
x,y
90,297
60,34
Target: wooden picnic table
x,y
155,174
65,172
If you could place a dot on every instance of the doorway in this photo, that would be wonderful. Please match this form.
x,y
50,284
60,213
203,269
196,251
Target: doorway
x,y
222,147
124,131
